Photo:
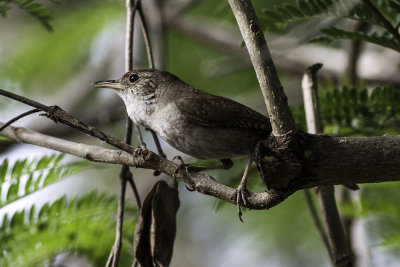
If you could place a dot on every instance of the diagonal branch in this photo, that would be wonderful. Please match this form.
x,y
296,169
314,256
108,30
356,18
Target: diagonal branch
x,y
275,99
59,115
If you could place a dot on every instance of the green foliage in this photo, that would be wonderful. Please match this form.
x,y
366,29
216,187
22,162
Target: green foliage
x,y
384,224
83,226
350,111
309,9
34,8
383,39
64,53
28,176
282,14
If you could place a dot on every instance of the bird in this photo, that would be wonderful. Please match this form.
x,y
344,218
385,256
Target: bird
x,y
199,124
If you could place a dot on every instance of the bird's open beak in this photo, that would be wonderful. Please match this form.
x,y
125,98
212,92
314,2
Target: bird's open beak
x,y
113,84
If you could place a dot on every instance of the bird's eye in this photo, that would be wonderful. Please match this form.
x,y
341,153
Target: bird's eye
x,y
133,78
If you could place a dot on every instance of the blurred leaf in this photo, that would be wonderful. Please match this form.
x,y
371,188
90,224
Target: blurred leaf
x,y
383,39
38,174
3,170
34,8
84,226
353,111
38,54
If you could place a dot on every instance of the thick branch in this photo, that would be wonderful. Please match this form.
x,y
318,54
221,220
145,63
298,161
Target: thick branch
x,y
346,160
281,118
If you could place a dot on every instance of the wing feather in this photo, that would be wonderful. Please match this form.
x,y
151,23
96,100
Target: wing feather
x,y
216,111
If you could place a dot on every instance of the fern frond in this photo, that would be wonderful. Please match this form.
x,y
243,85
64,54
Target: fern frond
x,y
351,111
310,9
83,226
34,8
28,176
383,39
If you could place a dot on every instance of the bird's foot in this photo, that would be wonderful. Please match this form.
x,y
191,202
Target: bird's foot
x,y
240,197
181,166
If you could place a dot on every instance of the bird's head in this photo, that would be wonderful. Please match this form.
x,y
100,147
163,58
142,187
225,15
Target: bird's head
x,y
143,91
140,84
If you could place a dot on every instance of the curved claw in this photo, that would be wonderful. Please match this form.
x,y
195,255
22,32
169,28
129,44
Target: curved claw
x,y
240,196
191,188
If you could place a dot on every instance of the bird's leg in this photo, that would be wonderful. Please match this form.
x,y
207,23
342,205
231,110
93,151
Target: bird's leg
x,y
226,164
240,194
180,167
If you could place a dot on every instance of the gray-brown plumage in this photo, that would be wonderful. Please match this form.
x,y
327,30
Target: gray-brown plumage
x,y
199,124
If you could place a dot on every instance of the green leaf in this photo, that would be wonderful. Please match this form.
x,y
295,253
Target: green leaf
x,y
38,172
18,218
44,162
17,169
29,184
352,111
86,229
282,14
3,170
37,10
12,193
4,7
58,159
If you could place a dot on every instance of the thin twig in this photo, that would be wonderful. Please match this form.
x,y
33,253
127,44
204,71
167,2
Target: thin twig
x,y
316,220
337,241
128,175
59,115
131,7
150,58
146,38
19,117
125,174
135,192
354,51
116,250
385,22
275,99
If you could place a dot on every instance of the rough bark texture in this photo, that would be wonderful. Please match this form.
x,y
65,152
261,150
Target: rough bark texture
x,y
345,160
253,36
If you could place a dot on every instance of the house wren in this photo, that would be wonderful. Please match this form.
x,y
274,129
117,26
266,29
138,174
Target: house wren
x,y
199,124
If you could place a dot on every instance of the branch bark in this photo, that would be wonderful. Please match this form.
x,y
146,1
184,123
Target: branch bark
x,y
275,99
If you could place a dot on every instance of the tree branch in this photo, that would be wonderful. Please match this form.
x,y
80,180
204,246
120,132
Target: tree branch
x,y
327,161
281,118
142,158
59,115
113,259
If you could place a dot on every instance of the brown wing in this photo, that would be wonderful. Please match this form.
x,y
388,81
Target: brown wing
x,y
215,111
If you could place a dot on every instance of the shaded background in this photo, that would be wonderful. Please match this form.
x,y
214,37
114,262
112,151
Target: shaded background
x,y
202,45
